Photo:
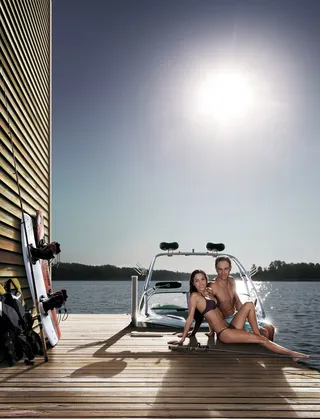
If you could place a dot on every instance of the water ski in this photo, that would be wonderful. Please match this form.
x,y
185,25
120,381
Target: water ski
x,y
136,334
182,348
46,276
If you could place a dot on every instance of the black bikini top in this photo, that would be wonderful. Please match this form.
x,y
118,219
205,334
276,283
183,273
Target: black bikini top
x,y
210,305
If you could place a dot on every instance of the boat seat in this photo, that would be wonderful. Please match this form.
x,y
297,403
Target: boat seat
x,y
169,246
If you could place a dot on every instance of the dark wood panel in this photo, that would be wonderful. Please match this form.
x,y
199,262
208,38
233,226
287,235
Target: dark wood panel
x,y
26,166
11,271
12,209
9,178
10,245
25,101
14,199
11,215
21,124
11,258
27,195
21,79
10,232
9,219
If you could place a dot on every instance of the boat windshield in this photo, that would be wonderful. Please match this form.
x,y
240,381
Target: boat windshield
x,y
169,301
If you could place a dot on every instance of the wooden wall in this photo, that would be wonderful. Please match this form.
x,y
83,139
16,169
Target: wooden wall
x,y
25,126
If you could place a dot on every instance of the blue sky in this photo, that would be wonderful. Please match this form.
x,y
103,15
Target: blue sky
x,y
136,161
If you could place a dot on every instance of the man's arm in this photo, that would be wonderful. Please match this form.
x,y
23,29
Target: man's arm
x,y
236,300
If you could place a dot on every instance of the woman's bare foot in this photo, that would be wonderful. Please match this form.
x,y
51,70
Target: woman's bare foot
x,y
209,334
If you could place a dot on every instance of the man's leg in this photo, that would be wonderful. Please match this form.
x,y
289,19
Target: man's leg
x,y
266,330
269,328
263,331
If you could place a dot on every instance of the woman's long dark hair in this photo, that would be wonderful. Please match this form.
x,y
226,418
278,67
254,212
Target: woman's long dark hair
x,y
192,288
198,317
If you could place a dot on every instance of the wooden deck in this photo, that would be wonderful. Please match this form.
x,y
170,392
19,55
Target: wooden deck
x,y
99,370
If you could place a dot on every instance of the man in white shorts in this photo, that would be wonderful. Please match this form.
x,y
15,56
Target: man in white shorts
x,y
224,289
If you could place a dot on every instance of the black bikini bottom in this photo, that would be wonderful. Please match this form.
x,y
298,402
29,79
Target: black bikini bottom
x,y
230,326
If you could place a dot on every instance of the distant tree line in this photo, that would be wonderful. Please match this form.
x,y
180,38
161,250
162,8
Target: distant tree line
x,y
282,271
79,272
277,271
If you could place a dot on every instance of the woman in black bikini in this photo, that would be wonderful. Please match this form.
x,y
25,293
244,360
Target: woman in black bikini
x,y
227,333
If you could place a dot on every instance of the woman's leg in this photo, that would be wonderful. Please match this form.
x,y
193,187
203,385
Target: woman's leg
x,y
247,311
241,336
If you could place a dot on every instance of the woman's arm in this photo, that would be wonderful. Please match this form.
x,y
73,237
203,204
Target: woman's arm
x,y
198,317
192,307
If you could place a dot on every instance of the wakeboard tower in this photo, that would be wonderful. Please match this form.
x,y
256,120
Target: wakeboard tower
x,y
164,303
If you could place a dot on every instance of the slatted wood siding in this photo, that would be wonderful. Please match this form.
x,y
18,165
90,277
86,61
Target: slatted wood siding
x,y
98,370
25,107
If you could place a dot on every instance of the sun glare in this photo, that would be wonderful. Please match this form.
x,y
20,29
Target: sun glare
x,y
225,96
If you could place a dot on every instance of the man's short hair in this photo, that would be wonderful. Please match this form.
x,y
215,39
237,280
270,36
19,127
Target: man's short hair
x,y
223,259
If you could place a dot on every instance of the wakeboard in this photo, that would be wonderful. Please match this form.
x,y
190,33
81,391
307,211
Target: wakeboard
x,y
34,271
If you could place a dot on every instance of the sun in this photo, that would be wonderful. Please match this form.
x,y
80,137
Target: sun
x,y
225,96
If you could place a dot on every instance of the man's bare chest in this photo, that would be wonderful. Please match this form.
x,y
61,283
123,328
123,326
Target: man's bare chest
x,y
225,295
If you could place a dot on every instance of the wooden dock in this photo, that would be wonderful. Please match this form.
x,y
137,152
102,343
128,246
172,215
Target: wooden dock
x,y
99,371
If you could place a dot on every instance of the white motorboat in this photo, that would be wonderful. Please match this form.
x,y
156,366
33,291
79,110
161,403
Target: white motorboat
x,y
165,303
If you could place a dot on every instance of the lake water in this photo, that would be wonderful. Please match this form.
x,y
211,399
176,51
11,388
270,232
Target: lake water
x,y
293,307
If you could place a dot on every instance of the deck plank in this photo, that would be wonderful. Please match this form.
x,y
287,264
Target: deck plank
x,y
99,370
